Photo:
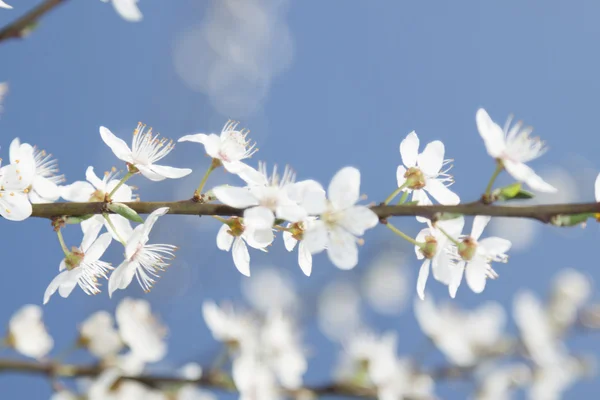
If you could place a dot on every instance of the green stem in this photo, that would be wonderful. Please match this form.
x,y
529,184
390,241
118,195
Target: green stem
x,y
124,179
403,198
453,240
499,168
62,243
213,165
223,220
395,193
404,235
112,226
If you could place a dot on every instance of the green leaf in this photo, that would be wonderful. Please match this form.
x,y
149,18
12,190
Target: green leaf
x,y
446,216
513,191
410,203
125,211
524,194
570,220
77,219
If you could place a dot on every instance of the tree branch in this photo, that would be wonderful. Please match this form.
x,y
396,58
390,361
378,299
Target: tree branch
x,y
17,29
542,213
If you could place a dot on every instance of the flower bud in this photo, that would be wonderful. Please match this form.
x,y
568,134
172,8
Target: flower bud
x,y
467,248
430,248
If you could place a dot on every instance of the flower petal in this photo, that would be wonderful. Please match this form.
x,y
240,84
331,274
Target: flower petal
x,y
16,207
358,219
304,259
79,191
308,194
479,224
523,173
409,149
58,280
344,188
170,172
224,239
597,188
241,257
98,248
456,278
491,133
92,178
422,279
149,173
4,5
342,249
495,246
151,219
128,10
258,238
259,218
400,172
117,145
235,196
121,224
430,161
290,212
45,188
89,236
123,194
441,193
476,275
420,196
288,240
316,237
122,276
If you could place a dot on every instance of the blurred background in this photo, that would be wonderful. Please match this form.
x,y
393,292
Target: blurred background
x,y
320,85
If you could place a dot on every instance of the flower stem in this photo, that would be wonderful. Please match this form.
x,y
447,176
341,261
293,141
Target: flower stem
x,y
499,168
395,193
403,198
223,220
453,240
404,235
213,165
112,226
62,243
124,179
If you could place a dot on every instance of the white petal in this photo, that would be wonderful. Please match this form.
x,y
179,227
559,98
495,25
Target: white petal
x,y
58,280
476,275
421,238
97,249
479,224
89,235
344,188
235,196
309,194
122,276
441,193
400,172
491,133
69,283
441,267
409,149
45,188
523,173
342,249
357,219
14,151
4,5
16,207
117,145
16,176
224,239
431,159
252,176
92,178
495,245
149,173
170,172
420,196
197,138
128,10
422,279
291,212
123,194
456,278
79,191
259,218
258,238
241,257
597,188
151,219
316,237
121,224
288,240
304,259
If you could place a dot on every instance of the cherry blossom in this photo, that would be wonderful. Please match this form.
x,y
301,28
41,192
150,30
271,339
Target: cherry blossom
x,y
293,236
15,180
227,325
142,260
513,147
230,147
98,334
82,266
27,333
127,9
423,173
44,186
341,220
96,190
146,149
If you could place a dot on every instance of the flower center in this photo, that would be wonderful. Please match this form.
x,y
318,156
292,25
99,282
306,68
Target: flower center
x,y
235,227
430,247
467,248
74,258
415,179
97,196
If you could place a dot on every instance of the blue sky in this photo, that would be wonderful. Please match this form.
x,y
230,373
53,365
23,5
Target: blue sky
x,y
341,83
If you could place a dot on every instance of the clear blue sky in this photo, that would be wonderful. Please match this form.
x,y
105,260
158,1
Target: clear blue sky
x,y
354,79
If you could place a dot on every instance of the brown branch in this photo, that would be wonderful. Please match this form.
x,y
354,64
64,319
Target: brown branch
x,y
542,213
19,28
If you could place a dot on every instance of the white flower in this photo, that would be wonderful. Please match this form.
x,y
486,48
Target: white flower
x,y
475,256
253,379
513,147
341,220
502,382
4,5
14,187
140,330
27,333
231,147
436,252
95,190
141,259
422,172
570,291
82,266
44,187
127,9
98,334
237,234
376,352
147,149
228,326
294,235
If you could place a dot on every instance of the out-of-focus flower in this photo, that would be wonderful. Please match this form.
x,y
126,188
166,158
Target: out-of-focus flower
x,y
98,334
500,383
27,333
338,310
127,9
228,326
270,289
385,284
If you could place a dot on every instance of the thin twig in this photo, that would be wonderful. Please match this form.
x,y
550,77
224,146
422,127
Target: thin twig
x,y
18,29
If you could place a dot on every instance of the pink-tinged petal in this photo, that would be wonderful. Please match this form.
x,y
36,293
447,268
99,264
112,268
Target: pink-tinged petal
x,y
224,239
241,257
456,278
441,193
121,224
16,207
479,224
117,145
597,188
342,249
495,246
259,218
304,259
523,173
422,279
289,241
151,219
149,173
45,188
358,219
290,212
409,149
430,161
344,188
400,172
170,172
89,236
122,276
316,237
235,196
491,133
476,275
97,249
128,10
62,279
92,178
79,191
